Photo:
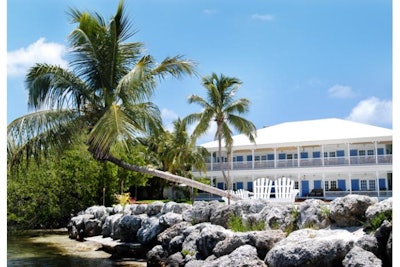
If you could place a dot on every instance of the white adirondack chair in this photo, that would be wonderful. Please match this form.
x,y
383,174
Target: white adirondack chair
x,y
241,193
262,188
284,191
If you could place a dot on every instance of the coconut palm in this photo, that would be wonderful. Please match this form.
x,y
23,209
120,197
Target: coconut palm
x,y
221,107
104,93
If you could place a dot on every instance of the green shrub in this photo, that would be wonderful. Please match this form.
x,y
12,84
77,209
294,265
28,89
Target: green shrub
x,y
236,224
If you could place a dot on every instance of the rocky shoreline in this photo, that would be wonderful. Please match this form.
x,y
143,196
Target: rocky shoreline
x,y
354,230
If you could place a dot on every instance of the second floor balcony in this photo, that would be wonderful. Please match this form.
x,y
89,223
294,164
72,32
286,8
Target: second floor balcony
x,y
302,163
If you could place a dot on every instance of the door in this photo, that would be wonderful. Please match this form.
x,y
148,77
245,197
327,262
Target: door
x,y
382,184
239,185
305,188
250,186
220,186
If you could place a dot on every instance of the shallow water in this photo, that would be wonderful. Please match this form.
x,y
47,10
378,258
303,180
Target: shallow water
x,y
58,250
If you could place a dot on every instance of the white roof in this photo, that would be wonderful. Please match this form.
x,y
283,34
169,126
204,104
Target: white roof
x,y
310,132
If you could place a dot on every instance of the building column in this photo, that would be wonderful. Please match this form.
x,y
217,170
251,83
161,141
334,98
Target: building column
x,y
298,156
376,152
275,158
253,159
212,161
322,155
377,183
323,183
349,178
348,153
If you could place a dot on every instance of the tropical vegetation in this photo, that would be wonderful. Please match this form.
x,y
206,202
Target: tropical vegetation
x,y
221,107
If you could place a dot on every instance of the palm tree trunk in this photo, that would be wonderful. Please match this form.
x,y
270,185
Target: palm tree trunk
x,y
222,168
170,177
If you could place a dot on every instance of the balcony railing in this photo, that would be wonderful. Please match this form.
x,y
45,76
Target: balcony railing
x,y
301,163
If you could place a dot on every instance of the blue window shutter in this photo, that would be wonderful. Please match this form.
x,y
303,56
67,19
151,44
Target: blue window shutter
x,y
316,154
340,153
305,188
355,184
249,157
220,186
317,184
380,151
304,155
282,156
382,183
250,186
239,158
270,156
239,185
342,184
353,152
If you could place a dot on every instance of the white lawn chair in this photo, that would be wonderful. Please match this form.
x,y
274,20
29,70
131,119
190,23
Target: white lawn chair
x,y
262,188
284,191
241,193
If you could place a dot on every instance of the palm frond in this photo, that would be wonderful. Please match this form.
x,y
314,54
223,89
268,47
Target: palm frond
x,y
31,136
176,66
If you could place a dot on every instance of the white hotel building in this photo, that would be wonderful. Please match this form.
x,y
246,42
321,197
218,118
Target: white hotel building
x,y
338,156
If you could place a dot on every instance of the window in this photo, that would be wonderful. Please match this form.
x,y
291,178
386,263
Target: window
x,y
361,152
257,158
363,184
296,185
332,154
370,152
234,186
289,156
326,185
372,185
333,185
264,157
325,154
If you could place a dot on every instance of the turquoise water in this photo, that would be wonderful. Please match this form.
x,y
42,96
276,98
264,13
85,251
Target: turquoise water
x,y
58,250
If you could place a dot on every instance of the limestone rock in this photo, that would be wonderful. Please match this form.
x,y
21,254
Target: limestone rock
x,y
147,234
169,219
350,210
313,213
358,257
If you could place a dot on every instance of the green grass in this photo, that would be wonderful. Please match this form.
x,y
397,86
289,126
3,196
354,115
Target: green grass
x,y
236,224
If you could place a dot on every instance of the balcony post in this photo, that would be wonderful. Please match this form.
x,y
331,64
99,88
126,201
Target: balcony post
x,y
252,158
275,161
376,153
348,153
212,160
377,183
298,156
323,155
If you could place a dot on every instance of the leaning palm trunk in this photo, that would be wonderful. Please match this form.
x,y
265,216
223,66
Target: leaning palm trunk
x,y
222,169
170,177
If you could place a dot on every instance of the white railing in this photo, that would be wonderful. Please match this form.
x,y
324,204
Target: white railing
x,y
297,163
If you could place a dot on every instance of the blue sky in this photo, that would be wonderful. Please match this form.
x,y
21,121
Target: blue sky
x,y
298,60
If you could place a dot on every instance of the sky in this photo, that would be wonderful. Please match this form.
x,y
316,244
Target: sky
x,y
298,60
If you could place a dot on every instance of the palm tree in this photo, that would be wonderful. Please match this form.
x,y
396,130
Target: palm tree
x,y
221,107
104,93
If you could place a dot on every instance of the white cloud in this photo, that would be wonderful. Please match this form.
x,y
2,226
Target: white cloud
x,y
341,91
19,61
372,111
263,17
206,137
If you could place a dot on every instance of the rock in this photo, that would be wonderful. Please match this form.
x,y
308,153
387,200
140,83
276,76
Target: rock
x,y
358,257
118,209
313,213
221,214
175,260
138,209
176,244
230,243
248,206
99,212
382,235
368,243
278,217
350,210
156,257
385,206
110,227
147,234
245,255
76,226
175,207
308,247
129,226
176,230
170,218
264,241
200,212
389,253
93,227
154,208
209,236
191,234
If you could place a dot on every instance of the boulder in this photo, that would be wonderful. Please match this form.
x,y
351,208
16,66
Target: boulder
x,y
350,210
175,260
147,234
93,227
165,238
200,211
156,256
221,214
358,257
99,212
138,209
169,219
129,226
245,255
175,207
76,226
209,236
154,208
313,213
368,243
110,227
278,217
382,235
264,241
309,247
